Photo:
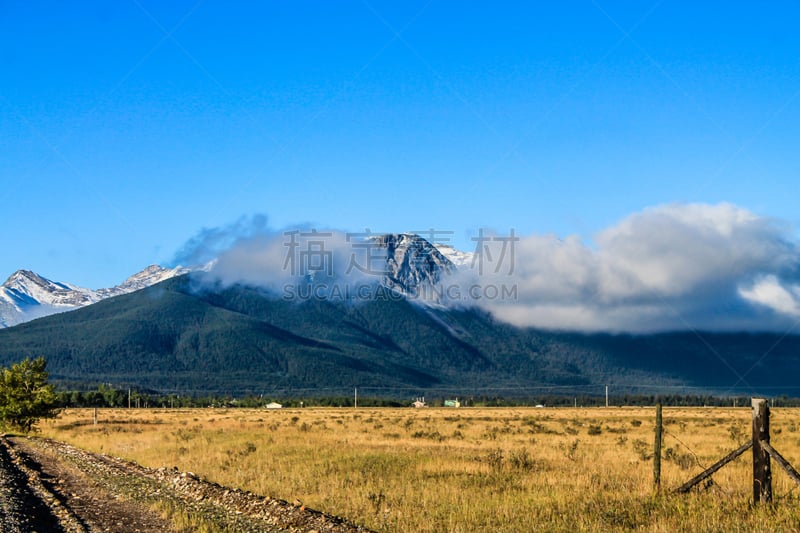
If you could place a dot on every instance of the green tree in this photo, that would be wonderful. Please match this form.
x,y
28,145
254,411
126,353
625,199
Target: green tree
x,y
25,395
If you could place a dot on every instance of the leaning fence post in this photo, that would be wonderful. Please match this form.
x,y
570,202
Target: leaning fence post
x,y
657,448
762,474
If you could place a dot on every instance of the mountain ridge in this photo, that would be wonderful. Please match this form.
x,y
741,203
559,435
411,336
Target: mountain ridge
x,y
26,295
412,263
186,337
192,334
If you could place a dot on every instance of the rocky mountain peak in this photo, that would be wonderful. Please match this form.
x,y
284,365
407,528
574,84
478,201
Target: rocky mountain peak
x,y
21,278
412,263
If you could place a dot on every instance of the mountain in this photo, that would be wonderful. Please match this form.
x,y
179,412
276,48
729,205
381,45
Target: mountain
x,y
190,334
26,295
188,337
413,265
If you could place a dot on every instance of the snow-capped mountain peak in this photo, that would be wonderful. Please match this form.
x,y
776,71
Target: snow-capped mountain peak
x,y
25,288
26,295
412,263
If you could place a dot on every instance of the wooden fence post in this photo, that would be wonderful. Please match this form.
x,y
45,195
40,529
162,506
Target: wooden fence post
x,y
762,474
657,448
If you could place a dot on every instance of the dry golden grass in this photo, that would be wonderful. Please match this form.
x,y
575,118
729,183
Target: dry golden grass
x,y
466,470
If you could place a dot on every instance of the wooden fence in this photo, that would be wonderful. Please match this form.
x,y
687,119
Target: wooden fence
x,y
763,452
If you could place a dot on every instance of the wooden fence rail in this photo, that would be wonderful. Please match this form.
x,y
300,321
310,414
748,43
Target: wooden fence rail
x,y
781,461
707,473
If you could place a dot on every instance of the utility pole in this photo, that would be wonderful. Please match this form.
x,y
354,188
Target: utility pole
x,y
606,395
355,401
129,397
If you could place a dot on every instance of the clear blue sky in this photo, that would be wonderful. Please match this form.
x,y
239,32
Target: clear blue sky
x,y
126,127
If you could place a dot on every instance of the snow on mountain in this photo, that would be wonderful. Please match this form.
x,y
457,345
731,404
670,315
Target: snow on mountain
x,y
25,288
141,280
26,295
457,257
413,265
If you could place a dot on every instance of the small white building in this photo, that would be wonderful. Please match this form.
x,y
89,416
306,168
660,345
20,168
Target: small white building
x,y
274,405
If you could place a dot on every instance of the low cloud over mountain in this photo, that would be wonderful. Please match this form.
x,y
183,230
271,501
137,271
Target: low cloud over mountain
x,y
676,266
670,267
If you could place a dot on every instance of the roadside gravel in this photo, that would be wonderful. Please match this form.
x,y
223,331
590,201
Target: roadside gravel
x,y
47,485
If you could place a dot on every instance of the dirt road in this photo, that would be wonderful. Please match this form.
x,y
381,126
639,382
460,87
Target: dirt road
x,y
50,486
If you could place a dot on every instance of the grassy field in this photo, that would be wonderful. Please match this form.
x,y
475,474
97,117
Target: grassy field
x,y
466,470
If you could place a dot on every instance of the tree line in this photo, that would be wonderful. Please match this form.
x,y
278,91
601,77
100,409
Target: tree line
x,y
108,396
26,396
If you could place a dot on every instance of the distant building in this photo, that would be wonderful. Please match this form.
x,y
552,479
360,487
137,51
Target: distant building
x,y
452,403
419,402
274,405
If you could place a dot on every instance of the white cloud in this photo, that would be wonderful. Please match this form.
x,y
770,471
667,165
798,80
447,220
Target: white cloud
x,y
292,263
277,260
769,292
675,249
669,267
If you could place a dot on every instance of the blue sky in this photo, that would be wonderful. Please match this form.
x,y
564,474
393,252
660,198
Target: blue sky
x,y
127,127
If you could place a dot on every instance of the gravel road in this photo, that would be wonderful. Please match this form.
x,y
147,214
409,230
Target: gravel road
x,y
47,485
